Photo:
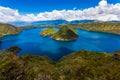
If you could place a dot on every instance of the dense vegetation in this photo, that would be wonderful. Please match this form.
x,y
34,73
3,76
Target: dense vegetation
x,y
81,65
7,29
48,32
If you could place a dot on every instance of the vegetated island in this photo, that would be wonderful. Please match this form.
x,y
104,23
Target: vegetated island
x,y
64,34
48,32
80,65
7,29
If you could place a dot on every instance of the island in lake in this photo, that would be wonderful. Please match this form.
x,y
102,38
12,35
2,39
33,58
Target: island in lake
x,y
63,34
48,32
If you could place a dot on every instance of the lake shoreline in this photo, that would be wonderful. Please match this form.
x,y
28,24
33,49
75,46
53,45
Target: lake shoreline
x,y
59,27
88,40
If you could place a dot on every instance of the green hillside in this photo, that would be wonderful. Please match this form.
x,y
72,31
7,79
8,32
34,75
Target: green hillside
x,y
7,29
109,27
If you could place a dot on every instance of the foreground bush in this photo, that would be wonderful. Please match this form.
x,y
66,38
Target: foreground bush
x,y
81,65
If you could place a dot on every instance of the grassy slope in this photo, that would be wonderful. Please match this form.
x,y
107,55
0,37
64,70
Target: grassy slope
x,y
110,27
7,29
81,65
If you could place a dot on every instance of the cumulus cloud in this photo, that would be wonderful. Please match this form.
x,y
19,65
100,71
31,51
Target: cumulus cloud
x,y
103,12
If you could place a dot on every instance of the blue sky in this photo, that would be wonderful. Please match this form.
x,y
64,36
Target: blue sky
x,y
39,10
36,6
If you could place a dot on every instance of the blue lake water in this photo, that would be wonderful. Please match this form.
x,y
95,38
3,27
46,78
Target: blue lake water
x,y
31,42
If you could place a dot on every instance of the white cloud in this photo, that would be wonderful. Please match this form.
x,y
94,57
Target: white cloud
x,y
103,3
103,12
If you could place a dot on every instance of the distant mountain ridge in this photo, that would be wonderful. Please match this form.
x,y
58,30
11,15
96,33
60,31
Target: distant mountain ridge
x,y
50,23
54,22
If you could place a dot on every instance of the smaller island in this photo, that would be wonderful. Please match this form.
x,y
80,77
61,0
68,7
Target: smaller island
x,y
48,32
64,34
